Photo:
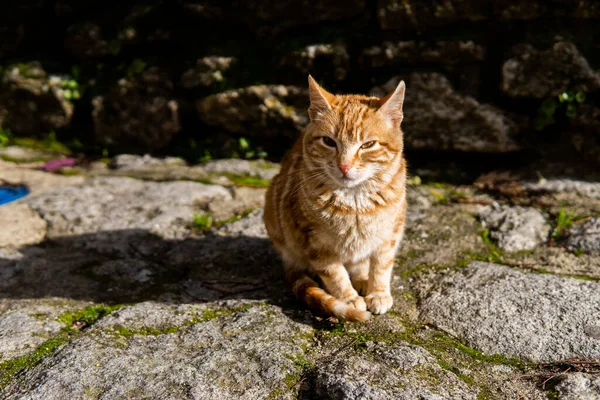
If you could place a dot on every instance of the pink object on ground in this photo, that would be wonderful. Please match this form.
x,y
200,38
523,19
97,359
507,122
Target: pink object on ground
x,y
55,164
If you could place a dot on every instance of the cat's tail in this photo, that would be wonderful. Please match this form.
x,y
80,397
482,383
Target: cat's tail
x,y
309,291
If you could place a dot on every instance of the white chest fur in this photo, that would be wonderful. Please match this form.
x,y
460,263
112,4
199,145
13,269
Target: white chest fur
x,y
358,234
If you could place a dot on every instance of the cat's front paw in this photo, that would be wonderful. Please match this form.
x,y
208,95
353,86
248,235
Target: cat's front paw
x,y
357,302
379,303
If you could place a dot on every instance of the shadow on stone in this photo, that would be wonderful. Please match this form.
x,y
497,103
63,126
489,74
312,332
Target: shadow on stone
x,y
126,266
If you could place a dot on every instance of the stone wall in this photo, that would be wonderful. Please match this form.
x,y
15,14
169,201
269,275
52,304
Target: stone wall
x,y
191,77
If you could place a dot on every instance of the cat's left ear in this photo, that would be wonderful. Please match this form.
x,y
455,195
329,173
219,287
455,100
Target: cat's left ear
x,y
390,106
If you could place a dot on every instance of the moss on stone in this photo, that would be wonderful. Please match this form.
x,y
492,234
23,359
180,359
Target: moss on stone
x,y
205,222
205,316
10,369
249,181
89,315
443,341
146,331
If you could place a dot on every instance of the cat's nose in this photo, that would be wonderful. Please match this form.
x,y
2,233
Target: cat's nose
x,y
344,168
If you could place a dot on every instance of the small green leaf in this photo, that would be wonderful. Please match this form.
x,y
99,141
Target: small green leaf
x,y
548,107
564,96
571,110
244,143
114,47
580,97
137,66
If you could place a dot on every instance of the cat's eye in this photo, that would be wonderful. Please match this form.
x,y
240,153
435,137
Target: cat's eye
x,y
329,141
368,145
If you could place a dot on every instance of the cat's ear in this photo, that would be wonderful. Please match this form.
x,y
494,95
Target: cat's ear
x,y
320,99
390,106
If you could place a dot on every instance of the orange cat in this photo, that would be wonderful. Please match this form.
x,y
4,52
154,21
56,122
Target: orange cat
x,y
336,210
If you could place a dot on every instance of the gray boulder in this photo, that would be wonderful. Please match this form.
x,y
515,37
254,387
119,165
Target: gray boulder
x,y
558,185
207,72
139,113
113,206
239,350
416,15
437,117
33,103
268,18
394,372
499,310
579,386
412,52
515,228
330,60
547,73
86,42
262,111
585,237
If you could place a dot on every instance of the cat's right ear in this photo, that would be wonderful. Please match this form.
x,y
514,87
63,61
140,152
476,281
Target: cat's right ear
x,y
320,99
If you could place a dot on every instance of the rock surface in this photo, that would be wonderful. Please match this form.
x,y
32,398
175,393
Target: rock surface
x,y
579,387
388,376
207,72
439,118
118,202
331,60
587,189
25,325
36,181
134,293
138,113
32,103
515,228
247,354
412,52
499,310
585,237
20,226
265,111
540,74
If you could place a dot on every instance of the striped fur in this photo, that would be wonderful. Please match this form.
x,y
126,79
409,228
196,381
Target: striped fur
x,y
342,230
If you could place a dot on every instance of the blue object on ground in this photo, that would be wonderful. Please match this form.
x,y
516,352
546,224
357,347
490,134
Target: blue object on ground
x,y
12,193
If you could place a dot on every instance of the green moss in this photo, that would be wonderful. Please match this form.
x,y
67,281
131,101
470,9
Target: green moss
x,y
205,222
441,197
439,185
236,217
578,252
126,332
494,254
205,316
584,277
48,143
69,171
412,272
5,137
10,369
250,181
442,341
89,315
463,377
